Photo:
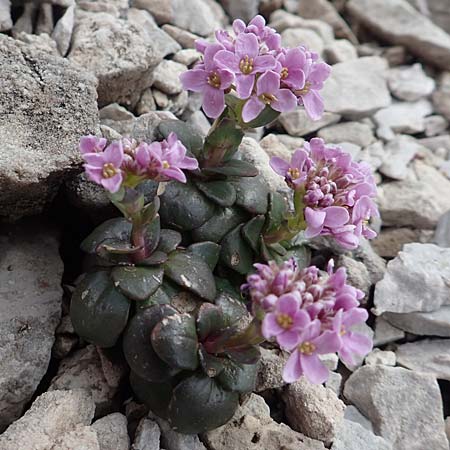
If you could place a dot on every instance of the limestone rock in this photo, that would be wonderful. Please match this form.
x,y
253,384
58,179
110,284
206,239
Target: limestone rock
x,y
270,372
147,436
357,274
5,15
355,132
161,10
167,76
293,37
81,438
313,410
62,33
442,234
297,123
428,356
44,23
377,356
435,125
112,433
396,21
252,427
238,9
357,88
183,37
385,332
352,436
404,407
417,279
340,51
410,83
353,414
51,416
30,310
47,103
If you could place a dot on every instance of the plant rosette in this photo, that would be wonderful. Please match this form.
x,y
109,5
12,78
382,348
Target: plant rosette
x,y
190,281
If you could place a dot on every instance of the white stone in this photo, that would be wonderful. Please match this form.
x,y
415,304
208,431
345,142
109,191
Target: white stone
x,y
385,332
341,50
147,436
334,383
62,33
187,56
357,88
297,123
404,407
397,22
352,436
410,83
112,433
377,356
435,125
166,76
274,147
353,414
293,37
355,132
374,155
5,15
418,279
81,438
442,234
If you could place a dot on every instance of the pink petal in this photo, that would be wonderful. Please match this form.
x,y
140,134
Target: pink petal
x,y
188,163
299,158
296,79
354,316
280,166
210,52
247,45
91,144
293,369
357,343
319,73
244,85
94,159
336,216
270,326
314,219
313,104
194,80
327,342
268,83
286,101
252,109
263,63
112,184
288,304
313,369
311,331
94,173
213,102
226,78
301,320
114,153
227,60
288,339
174,174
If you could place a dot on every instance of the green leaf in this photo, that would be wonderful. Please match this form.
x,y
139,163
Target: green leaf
x,y
155,396
209,251
302,255
251,231
200,404
238,377
220,192
191,272
151,235
233,168
169,240
160,297
155,259
252,194
174,339
210,320
128,201
277,212
184,207
137,347
222,143
220,224
236,253
99,312
118,229
245,354
150,211
137,283
187,134
211,365
267,116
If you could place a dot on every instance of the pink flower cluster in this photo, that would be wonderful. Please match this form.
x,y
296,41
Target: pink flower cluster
x,y
259,69
309,314
125,162
337,192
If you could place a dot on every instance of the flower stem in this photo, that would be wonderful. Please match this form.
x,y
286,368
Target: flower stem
x,y
138,240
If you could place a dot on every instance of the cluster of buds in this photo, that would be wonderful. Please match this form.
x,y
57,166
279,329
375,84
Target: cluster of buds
x,y
309,314
127,163
259,69
335,194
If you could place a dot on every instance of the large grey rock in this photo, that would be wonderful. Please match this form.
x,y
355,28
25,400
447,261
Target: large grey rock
x,y
353,436
293,37
410,83
435,323
398,200
384,357
442,234
30,310
313,410
47,103
341,50
167,76
297,123
120,53
62,33
51,415
112,433
355,132
397,22
357,88
81,438
404,407
418,279
270,371
238,9
385,332
147,436
5,15
89,369
437,10
252,428
353,414
429,356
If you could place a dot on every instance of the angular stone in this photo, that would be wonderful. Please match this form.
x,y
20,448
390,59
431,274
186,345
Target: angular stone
x,y
435,125
47,103
112,433
410,83
237,9
396,21
357,274
340,51
51,415
25,23
442,234
297,123
352,436
403,117
81,438
438,144
418,279
377,356
293,37
270,372
161,10
30,309
183,37
167,76
441,101
87,369
187,56
353,414
334,382
5,15
118,52
147,436
62,33
252,427
274,147
44,23
385,332
357,88
391,240
313,410
398,201
355,132
384,394
399,153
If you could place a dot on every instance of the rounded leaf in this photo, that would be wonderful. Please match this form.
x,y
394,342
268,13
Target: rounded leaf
x,y
236,253
169,240
137,283
210,320
251,231
252,194
209,251
220,192
238,377
117,229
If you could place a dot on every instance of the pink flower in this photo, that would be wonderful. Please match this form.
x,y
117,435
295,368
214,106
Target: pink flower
x,y
304,360
209,79
92,144
245,62
268,92
351,343
164,160
285,321
105,168
291,66
337,192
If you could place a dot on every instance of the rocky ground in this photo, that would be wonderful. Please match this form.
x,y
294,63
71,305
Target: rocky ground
x,y
111,67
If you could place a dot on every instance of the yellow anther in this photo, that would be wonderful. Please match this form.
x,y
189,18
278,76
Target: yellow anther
x,y
214,80
284,321
165,165
267,98
284,73
246,65
294,173
109,170
303,91
307,348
